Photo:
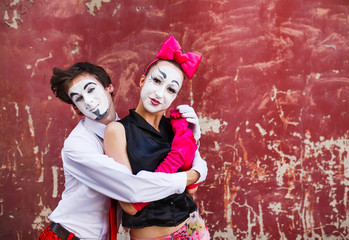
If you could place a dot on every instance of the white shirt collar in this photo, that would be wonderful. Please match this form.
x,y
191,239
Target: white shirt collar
x,y
97,127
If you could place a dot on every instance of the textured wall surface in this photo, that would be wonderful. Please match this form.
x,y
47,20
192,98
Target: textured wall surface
x,y
272,94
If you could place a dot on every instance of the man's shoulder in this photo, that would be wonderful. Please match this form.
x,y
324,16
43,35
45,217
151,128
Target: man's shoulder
x,y
79,135
78,130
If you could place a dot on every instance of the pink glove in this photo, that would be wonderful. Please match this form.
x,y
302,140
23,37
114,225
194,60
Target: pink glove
x,y
180,126
186,144
182,150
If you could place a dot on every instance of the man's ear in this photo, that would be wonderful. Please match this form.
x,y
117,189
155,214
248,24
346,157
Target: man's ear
x,y
142,81
110,88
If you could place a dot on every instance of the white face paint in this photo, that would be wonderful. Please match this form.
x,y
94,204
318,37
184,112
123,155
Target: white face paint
x,y
89,97
161,87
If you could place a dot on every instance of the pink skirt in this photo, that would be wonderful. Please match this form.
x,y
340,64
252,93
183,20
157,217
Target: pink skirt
x,y
194,229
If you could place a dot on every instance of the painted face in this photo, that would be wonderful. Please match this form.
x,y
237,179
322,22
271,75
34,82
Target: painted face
x,y
89,97
161,87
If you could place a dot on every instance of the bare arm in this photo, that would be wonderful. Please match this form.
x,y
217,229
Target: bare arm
x,y
115,147
115,143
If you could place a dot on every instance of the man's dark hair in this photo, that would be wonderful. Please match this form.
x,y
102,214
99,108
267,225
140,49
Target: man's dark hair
x,y
61,78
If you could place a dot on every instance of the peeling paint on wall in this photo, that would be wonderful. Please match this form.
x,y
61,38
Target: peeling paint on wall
x,y
211,125
95,4
271,94
14,20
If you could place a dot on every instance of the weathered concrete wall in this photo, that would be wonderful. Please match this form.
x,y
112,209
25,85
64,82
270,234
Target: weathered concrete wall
x,y
272,94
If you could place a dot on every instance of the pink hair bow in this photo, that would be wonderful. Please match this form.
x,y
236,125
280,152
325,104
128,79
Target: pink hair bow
x,y
171,50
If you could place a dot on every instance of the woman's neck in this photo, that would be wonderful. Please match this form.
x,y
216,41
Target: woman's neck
x,y
152,118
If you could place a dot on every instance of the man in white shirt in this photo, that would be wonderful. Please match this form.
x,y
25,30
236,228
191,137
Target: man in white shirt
x,y
92,178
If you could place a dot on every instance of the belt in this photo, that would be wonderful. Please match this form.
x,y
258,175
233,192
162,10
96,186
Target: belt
x,y
62,232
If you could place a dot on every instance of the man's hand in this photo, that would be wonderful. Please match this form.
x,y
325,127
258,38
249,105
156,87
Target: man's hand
x,y
192,176
191,117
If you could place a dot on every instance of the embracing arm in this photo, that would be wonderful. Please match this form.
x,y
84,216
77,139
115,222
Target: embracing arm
x,y
84,160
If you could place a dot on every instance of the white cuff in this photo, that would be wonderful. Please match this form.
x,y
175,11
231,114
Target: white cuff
x,y
200,166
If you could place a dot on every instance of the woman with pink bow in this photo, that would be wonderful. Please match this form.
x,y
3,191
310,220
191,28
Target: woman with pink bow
x,y
145,137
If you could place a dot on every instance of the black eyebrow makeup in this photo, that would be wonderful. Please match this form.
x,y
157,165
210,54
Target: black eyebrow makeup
x,y
89,84
163,74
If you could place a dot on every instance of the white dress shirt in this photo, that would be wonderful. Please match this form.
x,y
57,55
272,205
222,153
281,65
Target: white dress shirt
x,y
92,178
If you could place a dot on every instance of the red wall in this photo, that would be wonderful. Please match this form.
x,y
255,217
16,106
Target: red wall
x,y
272,94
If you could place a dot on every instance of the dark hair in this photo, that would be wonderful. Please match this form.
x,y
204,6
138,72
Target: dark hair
x,y
61,78
153,64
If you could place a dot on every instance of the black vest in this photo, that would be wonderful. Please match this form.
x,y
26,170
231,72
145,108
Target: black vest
x,y
146,149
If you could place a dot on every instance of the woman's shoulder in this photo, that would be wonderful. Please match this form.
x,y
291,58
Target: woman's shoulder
x,y
114,127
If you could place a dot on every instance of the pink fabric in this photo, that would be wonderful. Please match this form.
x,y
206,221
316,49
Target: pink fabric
x,y
171,50
140,205
180,128
182,150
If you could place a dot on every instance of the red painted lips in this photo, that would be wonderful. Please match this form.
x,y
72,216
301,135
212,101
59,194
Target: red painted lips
x,y
154,102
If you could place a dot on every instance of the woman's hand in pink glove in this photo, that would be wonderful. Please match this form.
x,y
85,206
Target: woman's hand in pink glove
x,y
179,124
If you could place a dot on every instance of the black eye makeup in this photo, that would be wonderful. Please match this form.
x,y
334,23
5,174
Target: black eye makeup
x,y
90,90
172,90
157,79
78,99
